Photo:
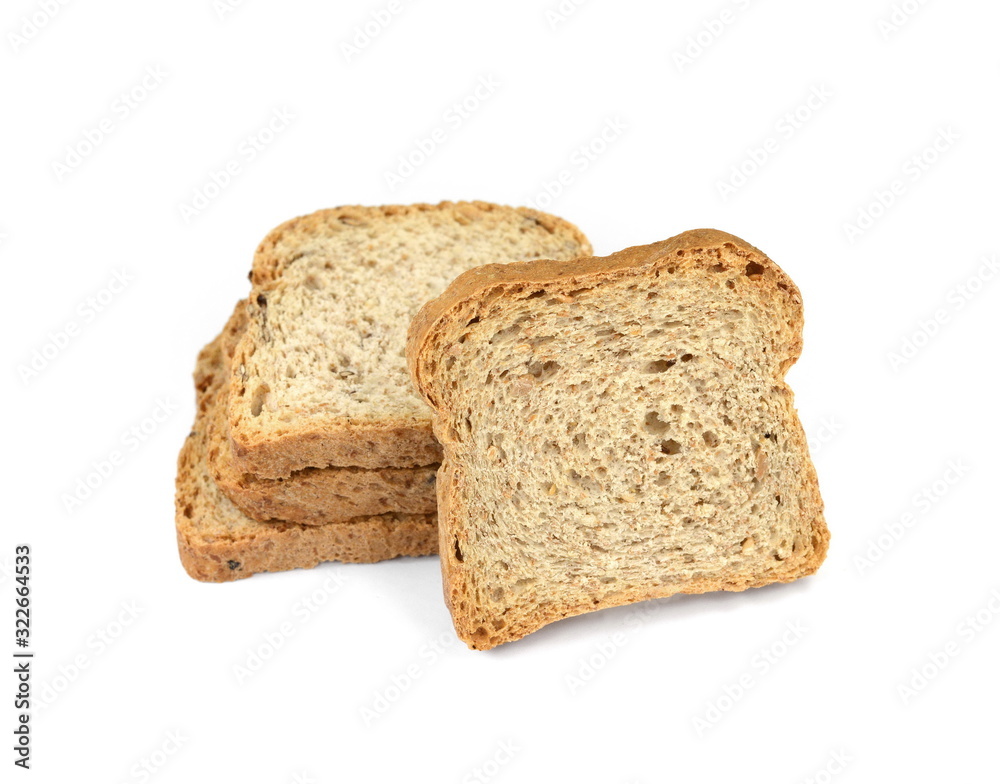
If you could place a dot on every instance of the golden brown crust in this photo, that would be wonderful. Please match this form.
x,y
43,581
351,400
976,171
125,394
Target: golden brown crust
x,y
475,294
402,442
218,543
316,496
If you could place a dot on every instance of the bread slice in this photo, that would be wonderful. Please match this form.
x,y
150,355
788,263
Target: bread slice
x,y
319,377
614,430
312,496
218,543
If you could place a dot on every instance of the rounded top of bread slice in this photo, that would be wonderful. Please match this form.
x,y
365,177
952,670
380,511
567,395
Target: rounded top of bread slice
x,y
735,261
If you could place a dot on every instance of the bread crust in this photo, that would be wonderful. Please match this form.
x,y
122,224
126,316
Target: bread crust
x,y
402,442
482,291
218,543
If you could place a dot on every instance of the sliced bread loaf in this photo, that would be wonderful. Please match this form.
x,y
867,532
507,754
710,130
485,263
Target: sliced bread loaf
x,y
319,376
218,543
615,430
312,496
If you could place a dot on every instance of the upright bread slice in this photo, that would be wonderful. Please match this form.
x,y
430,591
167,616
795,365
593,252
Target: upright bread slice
x,y
319,376
218,543
312,496
614,430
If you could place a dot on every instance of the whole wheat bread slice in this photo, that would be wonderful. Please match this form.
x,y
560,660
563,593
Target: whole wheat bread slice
x,y
319,376
614,430
218,543
312,496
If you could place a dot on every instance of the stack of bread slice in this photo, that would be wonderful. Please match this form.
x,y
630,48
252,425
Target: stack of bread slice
x,y
310,443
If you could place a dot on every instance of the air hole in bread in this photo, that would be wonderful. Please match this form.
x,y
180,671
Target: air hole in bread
x,y
670,447
687,357
536,294
505,334
543,370
259,396
458,553
481,637
753,269
660,365
654,424
711,439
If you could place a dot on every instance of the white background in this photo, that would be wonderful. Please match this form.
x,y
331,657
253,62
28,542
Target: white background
x,y
884,433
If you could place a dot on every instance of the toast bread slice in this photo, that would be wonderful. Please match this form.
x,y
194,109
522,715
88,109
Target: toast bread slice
x,y
319,375
616,429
